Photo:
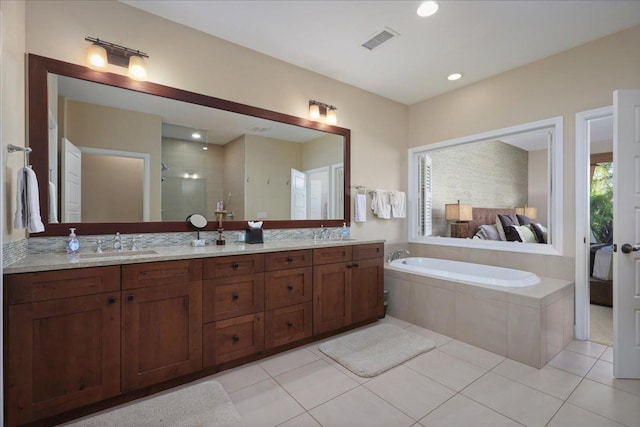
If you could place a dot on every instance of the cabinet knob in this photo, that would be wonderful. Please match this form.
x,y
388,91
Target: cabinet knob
x,y
130,298
235,265
112,300
349,265
290,287
289,260
289,324
235,338
356,265
235,296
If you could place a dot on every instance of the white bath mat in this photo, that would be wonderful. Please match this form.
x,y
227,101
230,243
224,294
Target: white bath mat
x,y
377,349
203,404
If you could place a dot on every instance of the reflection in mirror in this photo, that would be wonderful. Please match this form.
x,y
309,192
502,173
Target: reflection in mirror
x,y
127,156
503,182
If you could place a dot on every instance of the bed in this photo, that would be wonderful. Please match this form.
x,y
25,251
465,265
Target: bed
x,y
601,272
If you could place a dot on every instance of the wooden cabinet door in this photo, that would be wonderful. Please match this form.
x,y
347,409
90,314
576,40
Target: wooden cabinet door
x,y
62,354
288,324
331,296
161,333
367,289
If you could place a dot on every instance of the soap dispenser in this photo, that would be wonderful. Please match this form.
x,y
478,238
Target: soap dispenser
x,y
72,244
344,233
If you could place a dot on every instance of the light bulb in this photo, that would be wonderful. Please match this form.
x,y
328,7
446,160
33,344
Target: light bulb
x,y
314,111
137,69
332,117
97,57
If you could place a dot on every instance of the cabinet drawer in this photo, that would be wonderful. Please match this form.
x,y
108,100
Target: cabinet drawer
x,y
48,285
232,296
287,287
288,324
288,259
373,250
230,339
331,255
233,265
160,273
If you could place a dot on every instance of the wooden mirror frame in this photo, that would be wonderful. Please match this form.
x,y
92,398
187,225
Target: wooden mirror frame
x,y
39,67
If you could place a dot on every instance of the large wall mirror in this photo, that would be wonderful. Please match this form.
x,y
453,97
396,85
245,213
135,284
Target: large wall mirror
x,y
121,155
498,190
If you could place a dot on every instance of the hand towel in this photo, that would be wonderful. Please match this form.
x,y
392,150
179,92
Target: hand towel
x,y
383,204
53,205
398,200
28,202
361,208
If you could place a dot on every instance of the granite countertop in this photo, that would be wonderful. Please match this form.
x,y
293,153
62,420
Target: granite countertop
x,y
57,261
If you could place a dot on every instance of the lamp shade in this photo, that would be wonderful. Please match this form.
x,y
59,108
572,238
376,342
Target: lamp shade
x,y
314,111
137,69
97,57
458,212
528,211
332,117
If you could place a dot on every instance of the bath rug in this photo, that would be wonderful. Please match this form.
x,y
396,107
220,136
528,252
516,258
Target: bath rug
x,y
203,404
377,349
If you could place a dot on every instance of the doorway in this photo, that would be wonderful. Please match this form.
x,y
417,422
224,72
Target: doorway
x,y
594,230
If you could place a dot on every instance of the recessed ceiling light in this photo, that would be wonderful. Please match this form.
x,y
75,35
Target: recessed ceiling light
x,y
196,135
205,148
454,76
427,8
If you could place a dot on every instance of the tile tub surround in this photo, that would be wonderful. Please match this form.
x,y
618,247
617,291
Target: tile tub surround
x,y
530,325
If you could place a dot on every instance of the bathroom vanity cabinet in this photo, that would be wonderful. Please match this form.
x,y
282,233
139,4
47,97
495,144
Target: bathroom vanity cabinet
x,y
82,335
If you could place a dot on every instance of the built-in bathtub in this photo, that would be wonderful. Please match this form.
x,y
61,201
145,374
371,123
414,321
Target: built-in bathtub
x,y
466,272
509,312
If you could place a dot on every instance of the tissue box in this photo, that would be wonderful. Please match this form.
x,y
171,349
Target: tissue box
x,y
253,235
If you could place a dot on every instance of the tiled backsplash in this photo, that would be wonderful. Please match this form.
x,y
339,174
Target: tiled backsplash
x,y
14,251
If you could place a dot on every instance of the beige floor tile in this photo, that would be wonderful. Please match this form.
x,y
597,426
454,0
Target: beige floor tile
x,y
607,401
588,348
514,400
304,420
571,416
414,394
359,407
445,369
472,354
602,372
265,404
439,339
461,411
394,321
315,383
576,363
284,362
549,380
607,356
241,377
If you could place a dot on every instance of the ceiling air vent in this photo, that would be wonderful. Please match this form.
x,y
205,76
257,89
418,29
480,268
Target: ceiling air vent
x,y
380,37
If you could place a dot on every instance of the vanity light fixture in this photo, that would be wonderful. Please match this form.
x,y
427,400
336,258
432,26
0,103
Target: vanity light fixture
x,y
454,76
427,8
318,110
101,53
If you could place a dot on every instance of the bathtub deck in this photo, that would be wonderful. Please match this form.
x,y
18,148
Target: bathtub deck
x,y
530,325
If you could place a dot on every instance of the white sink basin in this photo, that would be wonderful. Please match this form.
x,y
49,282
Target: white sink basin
x,y
121,254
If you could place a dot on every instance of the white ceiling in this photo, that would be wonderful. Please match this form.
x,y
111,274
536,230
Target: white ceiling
x,y
478,38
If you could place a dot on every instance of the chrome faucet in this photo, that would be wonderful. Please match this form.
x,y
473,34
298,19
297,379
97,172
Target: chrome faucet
x,y
397,254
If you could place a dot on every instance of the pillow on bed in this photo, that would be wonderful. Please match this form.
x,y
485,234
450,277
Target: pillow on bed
x,y
487,232
540,232
523,219
520,233
502,222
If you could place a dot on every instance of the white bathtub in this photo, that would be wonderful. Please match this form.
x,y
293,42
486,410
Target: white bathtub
x,y
466,272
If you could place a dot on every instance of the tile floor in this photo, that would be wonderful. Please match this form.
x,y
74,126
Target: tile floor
x,y
455,384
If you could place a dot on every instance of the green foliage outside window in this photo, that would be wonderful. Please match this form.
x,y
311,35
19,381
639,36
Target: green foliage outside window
x,y
602,202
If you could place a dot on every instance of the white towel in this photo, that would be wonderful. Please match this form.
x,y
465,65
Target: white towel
x,y
381,204
361,208
53,205
28,202
602,263
398,201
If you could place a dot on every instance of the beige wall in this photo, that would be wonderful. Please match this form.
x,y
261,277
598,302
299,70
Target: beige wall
x,y
89,125
538,184
13,109
234,177
379,126
325,151
561,85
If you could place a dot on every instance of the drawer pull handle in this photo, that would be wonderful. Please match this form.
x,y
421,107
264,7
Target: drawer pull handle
x,y
235,338
235,296
289,260
235,265
130,298
290,287
112,300
349,265
289,324
356,265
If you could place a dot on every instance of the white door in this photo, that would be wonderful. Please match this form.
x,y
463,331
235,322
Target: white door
x,y
71,182
298,194
626,234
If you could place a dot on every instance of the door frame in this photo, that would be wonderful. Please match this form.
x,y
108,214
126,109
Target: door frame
x,y
582,151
